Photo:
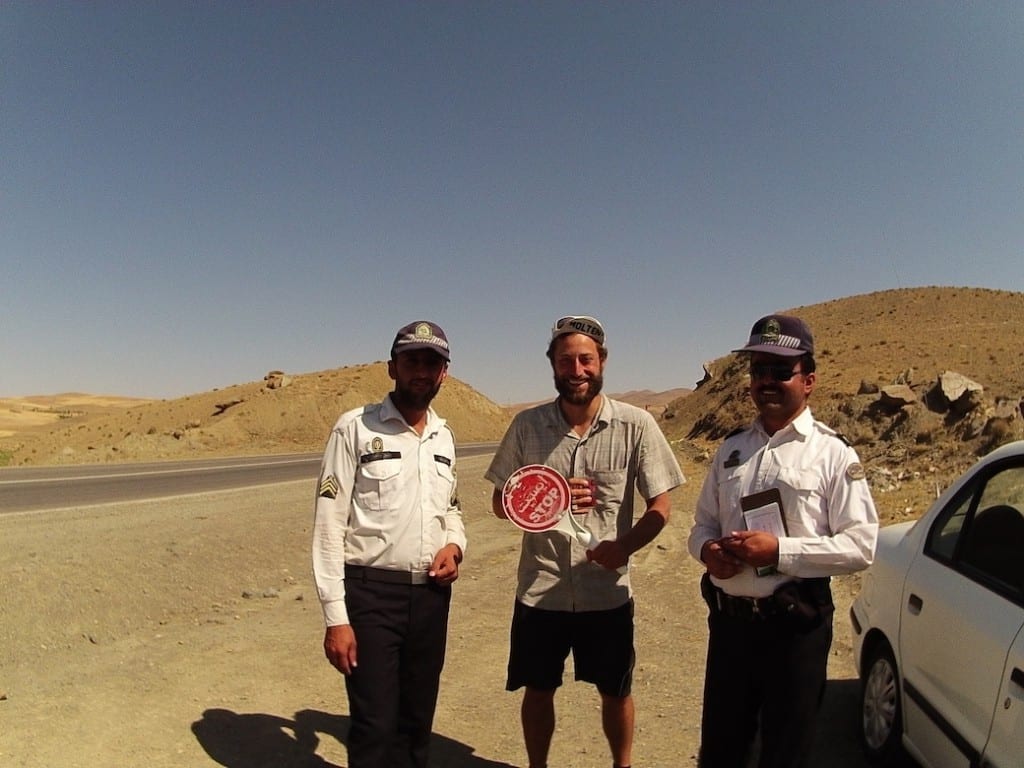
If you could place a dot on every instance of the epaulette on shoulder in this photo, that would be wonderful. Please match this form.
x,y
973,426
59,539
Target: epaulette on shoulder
x,y
826,429
737,431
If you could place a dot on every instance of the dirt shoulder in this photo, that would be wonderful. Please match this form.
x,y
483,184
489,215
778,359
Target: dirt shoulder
x,y
186,632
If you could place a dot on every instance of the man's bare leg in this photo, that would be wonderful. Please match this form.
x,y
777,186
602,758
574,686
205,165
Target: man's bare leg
x,y
538,717
617,718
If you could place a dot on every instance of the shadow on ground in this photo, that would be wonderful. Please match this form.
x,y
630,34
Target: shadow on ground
x,y
256,740
837,741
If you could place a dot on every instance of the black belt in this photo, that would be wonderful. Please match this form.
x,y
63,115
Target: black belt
x,y
749,608
386,575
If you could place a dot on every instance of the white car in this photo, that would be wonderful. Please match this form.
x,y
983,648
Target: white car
x,y
938,623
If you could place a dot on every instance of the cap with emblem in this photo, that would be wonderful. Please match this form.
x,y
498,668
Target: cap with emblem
x,y
421,335
584,324
780,335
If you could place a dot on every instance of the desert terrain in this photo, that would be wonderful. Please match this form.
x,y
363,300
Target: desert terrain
x,y
186,631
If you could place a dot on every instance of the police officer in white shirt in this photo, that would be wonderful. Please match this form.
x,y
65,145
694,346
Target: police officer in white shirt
x,y
388,538
784,507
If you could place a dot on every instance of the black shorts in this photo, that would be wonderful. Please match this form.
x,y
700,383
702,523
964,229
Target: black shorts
x,y
601,643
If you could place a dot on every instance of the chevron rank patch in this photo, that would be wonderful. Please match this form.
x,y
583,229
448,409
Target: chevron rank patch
x,y
329,487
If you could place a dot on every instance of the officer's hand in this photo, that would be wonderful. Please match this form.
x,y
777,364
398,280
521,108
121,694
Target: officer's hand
x,y
755,548
445,568
720,562
340,647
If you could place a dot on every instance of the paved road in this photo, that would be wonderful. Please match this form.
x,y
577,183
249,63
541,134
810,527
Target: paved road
x,y
37,488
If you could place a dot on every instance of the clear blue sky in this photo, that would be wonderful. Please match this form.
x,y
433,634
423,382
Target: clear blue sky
x,y
193,194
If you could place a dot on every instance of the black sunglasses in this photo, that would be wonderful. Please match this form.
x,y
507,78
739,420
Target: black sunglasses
x,y
774,371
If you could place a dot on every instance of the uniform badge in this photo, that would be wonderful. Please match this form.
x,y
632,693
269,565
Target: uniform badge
x,y
424,331
329,487
856,472
377,445
733,460
771,332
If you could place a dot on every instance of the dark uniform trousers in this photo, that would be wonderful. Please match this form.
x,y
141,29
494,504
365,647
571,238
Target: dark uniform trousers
x,y
766,668
401,631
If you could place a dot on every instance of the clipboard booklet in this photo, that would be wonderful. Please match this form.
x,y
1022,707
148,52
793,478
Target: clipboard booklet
x,y
763,511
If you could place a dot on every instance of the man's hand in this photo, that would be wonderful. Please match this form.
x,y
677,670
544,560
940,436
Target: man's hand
x,y
608,554
720,562
445,568
755,548
340,647
496,506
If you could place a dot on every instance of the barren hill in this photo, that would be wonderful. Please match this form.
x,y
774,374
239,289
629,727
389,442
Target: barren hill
x,y
911,437
281,414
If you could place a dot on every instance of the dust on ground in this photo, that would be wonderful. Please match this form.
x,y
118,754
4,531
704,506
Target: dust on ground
x,y
186,632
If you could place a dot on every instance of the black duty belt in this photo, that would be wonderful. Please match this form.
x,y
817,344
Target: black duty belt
x,y
749,608
386,575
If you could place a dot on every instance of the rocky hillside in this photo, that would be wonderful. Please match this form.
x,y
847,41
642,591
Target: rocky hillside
x,y
922,381
281,414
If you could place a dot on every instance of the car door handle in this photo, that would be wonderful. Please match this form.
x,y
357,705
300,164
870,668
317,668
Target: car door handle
x,y
1017,676
915,604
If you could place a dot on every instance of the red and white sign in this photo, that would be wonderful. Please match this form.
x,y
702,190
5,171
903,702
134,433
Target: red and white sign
x,y
535,497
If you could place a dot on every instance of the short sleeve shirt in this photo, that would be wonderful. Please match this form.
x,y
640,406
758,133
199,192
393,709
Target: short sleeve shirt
x,y
624,452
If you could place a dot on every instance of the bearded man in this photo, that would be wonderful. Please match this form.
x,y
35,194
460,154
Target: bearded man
x,y
388,538
570,598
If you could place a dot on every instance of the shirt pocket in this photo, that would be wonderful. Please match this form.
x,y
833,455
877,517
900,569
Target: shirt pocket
x,y
801,481
730,489
799,489
609,487
442,485
379,487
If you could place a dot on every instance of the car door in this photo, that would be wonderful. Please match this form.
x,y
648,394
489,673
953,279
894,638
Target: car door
x,y
1006,741
961,613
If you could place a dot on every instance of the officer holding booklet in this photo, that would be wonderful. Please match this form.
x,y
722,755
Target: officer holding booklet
x,y
785,506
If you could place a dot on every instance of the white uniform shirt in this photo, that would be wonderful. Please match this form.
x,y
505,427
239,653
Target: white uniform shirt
x,y
386,498
830,516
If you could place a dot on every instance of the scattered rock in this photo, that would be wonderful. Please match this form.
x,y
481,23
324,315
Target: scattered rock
x,y
895,397
277,380
708,376
1006,409
267,592
962,394
219,408
867,388
905,377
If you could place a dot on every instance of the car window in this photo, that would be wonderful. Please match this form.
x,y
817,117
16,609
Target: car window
x,y
945,533
982,531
